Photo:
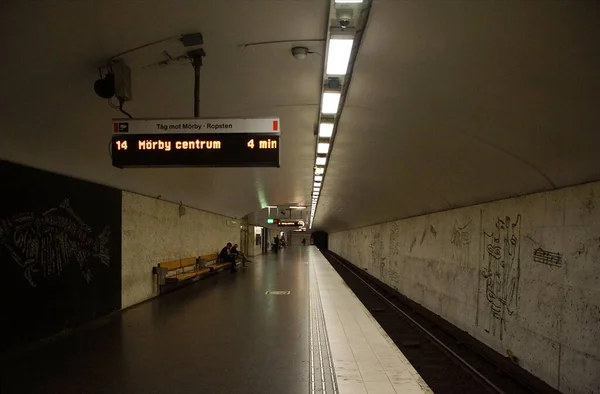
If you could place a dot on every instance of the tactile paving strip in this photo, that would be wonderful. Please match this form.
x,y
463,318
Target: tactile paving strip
x,y
322,376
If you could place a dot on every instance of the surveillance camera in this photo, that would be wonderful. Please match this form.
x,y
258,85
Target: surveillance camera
x,y
344,23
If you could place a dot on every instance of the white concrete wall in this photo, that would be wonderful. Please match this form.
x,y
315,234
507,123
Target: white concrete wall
x,y
154,232
485,268
254,249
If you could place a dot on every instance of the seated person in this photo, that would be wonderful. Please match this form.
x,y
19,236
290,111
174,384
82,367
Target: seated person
x,y
226,256
235,252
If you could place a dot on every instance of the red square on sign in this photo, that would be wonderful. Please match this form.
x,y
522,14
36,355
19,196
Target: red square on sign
x,y
115,127
275,125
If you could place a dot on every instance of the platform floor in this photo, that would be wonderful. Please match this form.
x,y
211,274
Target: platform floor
x,y
365,358
226,335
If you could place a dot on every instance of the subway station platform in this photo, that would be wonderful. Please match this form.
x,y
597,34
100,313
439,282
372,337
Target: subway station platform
x,y
286,324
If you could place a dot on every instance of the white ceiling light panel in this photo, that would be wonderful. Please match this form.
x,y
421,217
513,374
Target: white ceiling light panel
x,y
338,55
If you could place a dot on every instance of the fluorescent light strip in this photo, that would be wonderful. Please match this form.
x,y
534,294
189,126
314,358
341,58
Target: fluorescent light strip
x,y
323,147
321,161
325,130
348,1
338,56
319,171
330,103
319,178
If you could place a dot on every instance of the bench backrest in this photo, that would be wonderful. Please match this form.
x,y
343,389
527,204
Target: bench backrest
x,y
208,258
178,266
188,262
170,265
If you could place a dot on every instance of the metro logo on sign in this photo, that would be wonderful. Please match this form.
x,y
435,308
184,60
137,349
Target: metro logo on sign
x,y
121,127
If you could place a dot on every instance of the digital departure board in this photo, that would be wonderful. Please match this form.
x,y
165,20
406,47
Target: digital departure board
x,y
290,223
195,143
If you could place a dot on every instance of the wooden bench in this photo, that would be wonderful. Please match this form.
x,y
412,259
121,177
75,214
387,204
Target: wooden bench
x,y
214,262
176,271
208,261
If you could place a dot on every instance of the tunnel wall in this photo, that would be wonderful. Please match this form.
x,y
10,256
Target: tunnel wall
x,y
60,253
520,275
153,231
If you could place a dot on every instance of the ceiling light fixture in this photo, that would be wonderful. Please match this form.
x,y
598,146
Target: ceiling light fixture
x,y
320,161
325,130
338,55
323,147
330,103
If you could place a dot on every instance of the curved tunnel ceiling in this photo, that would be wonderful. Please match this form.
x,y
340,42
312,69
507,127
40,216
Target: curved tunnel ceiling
x,y
455,103
451,103
52,119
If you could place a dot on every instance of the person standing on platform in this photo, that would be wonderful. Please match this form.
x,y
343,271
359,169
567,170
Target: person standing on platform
x,y
226,256
303,241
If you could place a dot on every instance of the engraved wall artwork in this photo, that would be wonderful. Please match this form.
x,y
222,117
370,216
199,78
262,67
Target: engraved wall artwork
x,y
589,205
394,255
394,236
60,253
433,231
545,257
376,246
461,239
44,245
412,244
501,269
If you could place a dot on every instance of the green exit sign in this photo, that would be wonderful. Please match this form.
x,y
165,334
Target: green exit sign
x,y
270,221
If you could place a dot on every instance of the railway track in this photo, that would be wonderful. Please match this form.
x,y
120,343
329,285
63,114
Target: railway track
x,y
449,360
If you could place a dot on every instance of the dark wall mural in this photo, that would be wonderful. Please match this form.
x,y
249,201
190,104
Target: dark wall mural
x,y
60,253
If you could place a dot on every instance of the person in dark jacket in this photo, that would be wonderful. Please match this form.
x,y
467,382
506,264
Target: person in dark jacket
x,y
236,253
227,257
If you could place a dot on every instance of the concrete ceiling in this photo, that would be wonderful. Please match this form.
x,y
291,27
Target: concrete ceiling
x,y
52,119
454,103
451,102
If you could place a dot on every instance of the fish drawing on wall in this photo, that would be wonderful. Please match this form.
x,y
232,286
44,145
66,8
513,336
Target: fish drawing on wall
x,y
45,244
